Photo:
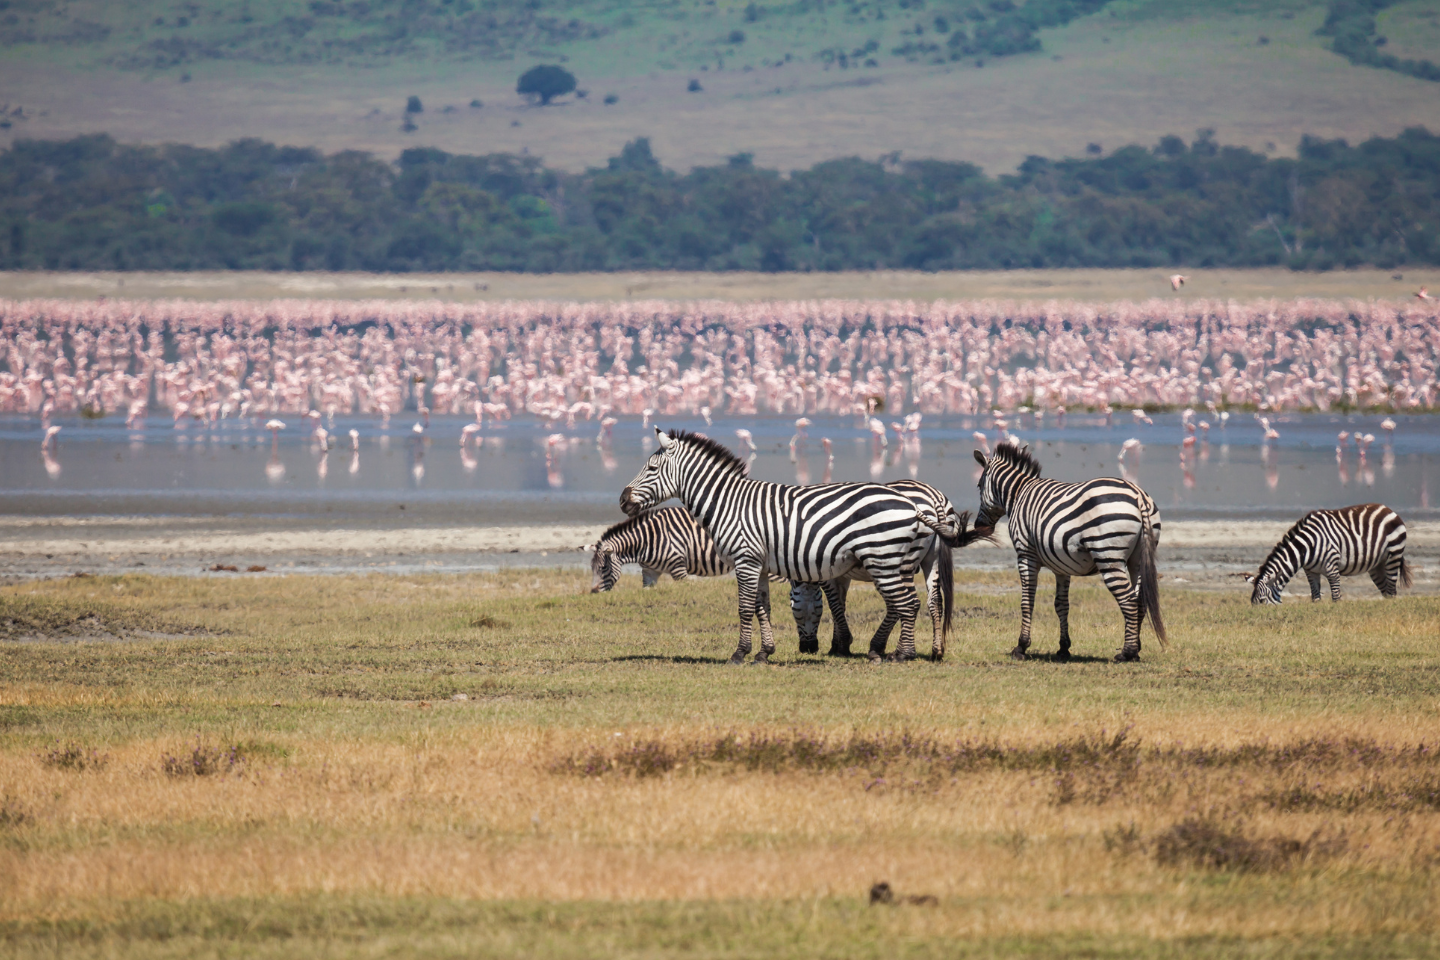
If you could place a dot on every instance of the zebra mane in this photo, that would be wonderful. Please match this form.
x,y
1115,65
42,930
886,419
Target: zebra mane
x,y
1275,559
625,526
1018,457
716,451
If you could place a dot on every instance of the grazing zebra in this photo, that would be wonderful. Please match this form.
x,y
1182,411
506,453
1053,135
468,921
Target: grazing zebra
x,y
1107,526
810,534
667,540
937,565
1367,538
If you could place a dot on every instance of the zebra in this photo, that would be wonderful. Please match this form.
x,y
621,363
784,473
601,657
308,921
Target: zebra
x,y
808,534
1105,526
937,565
667,540
1366,538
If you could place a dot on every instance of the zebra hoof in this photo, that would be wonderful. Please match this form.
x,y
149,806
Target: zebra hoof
x,y
737,661
810,647
1127,656
898,657
1019,654
1061,656
875,656
839,652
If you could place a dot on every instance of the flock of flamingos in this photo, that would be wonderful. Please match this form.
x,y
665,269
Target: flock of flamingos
x,y
563,363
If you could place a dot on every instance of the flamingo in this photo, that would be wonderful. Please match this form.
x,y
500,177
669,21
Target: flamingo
x,y
797,442
1140,417
49,442
747,442
606,425
1388,426
1422,294
1177,280
274,426
829,459
877,431
468,431
984,442
355,440
1126,447
705,415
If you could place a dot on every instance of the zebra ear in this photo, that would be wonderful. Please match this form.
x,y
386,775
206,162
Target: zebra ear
x,y
979,457
665,439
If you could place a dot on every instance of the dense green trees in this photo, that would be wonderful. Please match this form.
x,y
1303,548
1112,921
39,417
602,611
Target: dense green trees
x,y
90,203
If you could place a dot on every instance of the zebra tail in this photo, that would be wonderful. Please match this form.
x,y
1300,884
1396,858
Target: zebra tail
x,y
946,560
966,534
1405,578
1149,578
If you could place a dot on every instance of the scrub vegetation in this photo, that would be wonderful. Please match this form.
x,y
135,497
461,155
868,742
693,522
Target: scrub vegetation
x,y
505,764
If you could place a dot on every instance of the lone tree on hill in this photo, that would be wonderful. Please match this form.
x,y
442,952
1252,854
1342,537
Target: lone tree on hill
x,y
546,81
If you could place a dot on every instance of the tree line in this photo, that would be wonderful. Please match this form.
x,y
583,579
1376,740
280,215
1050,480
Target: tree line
x,y
92,203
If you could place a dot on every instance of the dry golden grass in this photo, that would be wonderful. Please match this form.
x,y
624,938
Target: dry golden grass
x,y
594,770
1094,286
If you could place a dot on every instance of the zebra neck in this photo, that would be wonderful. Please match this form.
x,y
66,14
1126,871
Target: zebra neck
x,y
706,499
1282,563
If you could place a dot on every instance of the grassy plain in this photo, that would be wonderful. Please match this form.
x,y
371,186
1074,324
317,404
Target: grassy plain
x,y
1131,74
282,766
1095,286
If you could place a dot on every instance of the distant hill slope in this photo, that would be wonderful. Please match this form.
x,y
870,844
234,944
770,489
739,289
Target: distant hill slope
x,y
794,83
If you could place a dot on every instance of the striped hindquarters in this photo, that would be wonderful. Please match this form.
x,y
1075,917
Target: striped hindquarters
x,y
1068,527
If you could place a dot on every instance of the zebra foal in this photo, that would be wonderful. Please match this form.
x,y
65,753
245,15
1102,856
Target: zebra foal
x,y
1107,526
667,540
1366,538
809,534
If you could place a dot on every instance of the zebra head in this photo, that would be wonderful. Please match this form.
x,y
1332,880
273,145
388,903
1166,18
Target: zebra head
x,y
807,603
604,569
657,481
1010,465
1267,586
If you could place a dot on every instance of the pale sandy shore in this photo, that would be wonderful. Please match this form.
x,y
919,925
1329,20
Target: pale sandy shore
x,y
1202,553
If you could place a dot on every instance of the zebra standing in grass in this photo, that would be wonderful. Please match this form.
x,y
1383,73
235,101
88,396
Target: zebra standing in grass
x,y
809,534
1367,538
937,566
1108,526
667,540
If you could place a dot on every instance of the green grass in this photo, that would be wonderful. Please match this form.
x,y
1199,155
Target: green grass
x,y
1134,72
357,810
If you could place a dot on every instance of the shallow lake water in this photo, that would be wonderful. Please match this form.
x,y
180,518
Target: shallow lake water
x,y
517,474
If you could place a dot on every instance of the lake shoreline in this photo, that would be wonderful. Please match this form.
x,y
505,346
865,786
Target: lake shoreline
x,y
1196,553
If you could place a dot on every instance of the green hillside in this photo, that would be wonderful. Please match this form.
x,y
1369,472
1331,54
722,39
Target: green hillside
x,y
794,83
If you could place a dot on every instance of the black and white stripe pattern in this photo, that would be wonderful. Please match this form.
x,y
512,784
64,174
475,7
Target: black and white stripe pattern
x,y
937,566
1366,538
1107,526
810,534
667,540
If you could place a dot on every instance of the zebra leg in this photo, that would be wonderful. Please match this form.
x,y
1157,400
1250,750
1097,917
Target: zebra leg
x,y
840,638
649,576
1029,573
931,569
807,605
747,582
1314,579
900,596
1332,573
767,632
1062,610
1125,588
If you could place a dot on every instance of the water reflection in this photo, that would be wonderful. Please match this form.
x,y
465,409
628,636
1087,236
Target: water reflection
x,y
1312,461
